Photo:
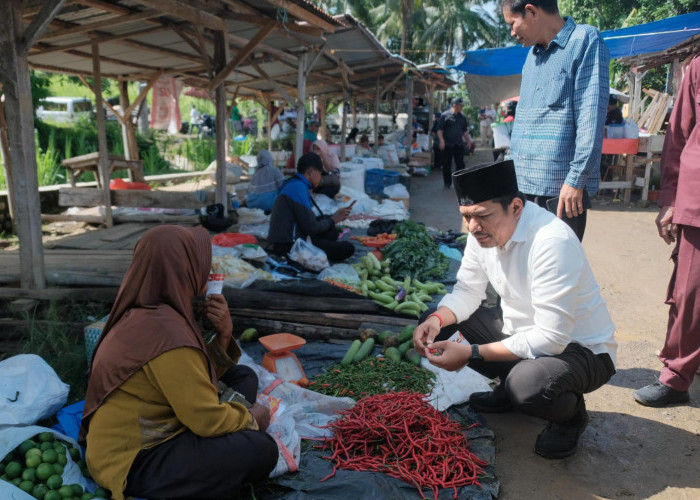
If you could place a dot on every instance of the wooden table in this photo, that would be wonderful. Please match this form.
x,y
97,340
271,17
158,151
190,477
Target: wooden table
x,y
89,162
642,152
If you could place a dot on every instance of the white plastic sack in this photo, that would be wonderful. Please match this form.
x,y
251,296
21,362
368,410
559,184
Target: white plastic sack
x,y
453,388
251,216
247,251
11,437
239,274
259,230
397,190
326,204
30,390
301,414
308,255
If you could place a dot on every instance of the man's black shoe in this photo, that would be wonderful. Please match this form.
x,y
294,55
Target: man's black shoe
x,y
658,395
561,440
495,401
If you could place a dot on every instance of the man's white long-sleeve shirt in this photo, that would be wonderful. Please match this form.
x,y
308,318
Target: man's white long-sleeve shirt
x,y
549,295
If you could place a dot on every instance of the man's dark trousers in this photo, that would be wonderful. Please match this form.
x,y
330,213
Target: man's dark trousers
x,y
446,156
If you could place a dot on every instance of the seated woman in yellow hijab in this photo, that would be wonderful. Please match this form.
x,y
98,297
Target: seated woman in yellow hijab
x,y
153,422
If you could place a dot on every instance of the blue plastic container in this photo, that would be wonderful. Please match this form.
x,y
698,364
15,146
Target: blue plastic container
x,y
376,179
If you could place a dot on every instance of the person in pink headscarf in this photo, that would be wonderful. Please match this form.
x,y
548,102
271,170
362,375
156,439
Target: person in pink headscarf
x,y
331,162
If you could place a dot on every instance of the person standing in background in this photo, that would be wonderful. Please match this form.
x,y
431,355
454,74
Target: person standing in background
x,y
450,132
558,132
679,221
236,125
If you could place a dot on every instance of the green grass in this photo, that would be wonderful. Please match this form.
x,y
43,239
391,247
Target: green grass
x,y
51,339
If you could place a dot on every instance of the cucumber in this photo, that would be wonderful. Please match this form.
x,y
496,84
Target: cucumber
x,y
354,347
406,346
413,356
364,350
393,354
407,306
380,297
406,333
384,286
381,336
375,261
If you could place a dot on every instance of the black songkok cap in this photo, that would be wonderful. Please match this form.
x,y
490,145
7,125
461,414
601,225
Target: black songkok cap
x,y
484,182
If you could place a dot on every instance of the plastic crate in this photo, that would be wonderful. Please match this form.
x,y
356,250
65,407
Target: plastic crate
x,y
92,334
377,179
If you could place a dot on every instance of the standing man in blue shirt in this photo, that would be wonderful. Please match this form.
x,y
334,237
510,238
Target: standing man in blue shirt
x,y
558,132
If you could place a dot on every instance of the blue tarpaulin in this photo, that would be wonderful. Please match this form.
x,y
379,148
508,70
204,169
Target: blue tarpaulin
x,y
623,42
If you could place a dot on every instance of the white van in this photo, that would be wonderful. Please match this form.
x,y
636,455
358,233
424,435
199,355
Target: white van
x,y
64,109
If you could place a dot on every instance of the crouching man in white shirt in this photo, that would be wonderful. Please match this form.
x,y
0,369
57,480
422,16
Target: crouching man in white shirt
x,y
555,341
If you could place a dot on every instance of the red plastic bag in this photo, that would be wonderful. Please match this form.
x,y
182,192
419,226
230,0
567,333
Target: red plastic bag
x,y
233,239
119,183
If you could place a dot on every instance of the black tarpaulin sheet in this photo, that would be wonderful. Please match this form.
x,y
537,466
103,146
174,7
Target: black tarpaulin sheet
x,y
305,484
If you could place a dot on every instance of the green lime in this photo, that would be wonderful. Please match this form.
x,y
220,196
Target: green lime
x,y
59,447
39,491
26,446
74,453
33,451
17,481
52,495
26,486
49,456
44,471
54,482
29,474
77,490
46,446
62,458
47,437
65,491
13,470
87,496
58,469
3,477
102,493
32,461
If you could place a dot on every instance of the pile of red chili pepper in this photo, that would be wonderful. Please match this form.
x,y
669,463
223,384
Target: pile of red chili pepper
x,y
400,434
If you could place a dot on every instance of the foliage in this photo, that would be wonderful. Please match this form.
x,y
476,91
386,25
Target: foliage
x,y
49,170
200,151
40,87
414,253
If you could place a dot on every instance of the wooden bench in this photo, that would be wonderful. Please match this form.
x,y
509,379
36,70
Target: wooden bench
x,y
89,162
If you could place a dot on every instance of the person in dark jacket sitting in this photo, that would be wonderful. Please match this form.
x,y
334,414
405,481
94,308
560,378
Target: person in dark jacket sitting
x,y
292,215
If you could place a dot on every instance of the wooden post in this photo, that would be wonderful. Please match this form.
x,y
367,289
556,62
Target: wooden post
x,y
270,103
131,150
301,105
7,164
431,119
221,121
343,125
322,109
409,113
353,103
14,75
376,114
103,161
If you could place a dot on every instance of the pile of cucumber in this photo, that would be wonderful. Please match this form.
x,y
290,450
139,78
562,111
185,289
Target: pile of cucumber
x,y
395,346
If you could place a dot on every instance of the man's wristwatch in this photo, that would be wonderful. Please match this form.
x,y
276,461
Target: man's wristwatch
x,y
475,353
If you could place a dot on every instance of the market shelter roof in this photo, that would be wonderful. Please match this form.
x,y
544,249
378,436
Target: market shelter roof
x,y
140,38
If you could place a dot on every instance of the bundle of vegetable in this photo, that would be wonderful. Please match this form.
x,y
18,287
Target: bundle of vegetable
x,y
401,435
414,253
372,376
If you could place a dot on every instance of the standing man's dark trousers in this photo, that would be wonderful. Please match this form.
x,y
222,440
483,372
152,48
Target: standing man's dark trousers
x,y
578,223
549,387
446,156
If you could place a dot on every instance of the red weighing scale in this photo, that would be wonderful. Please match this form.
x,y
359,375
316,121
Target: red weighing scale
x,y
280,359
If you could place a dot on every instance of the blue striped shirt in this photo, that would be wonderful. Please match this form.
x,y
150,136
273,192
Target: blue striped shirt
x,y
559,122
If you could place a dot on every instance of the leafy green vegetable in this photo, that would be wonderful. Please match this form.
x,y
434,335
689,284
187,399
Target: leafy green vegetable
x,y
414,253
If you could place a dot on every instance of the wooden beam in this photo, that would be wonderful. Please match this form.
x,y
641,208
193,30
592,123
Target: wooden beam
x,y
6,157
220,57
162,50
339,62
113,60
304,14
178,9
388,87
279,54
278,87
47,48
90,197
242,54
144,92
301,105
41,22
105,6
107,23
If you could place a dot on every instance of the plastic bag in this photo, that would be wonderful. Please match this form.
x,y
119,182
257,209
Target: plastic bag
x,y
344,272
245,251
308,255
30,390
11,437
252,216
239,274
300,413
259,230
397,190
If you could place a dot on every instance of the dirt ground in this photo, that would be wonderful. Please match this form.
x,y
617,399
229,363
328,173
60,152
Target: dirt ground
x,y
628,450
